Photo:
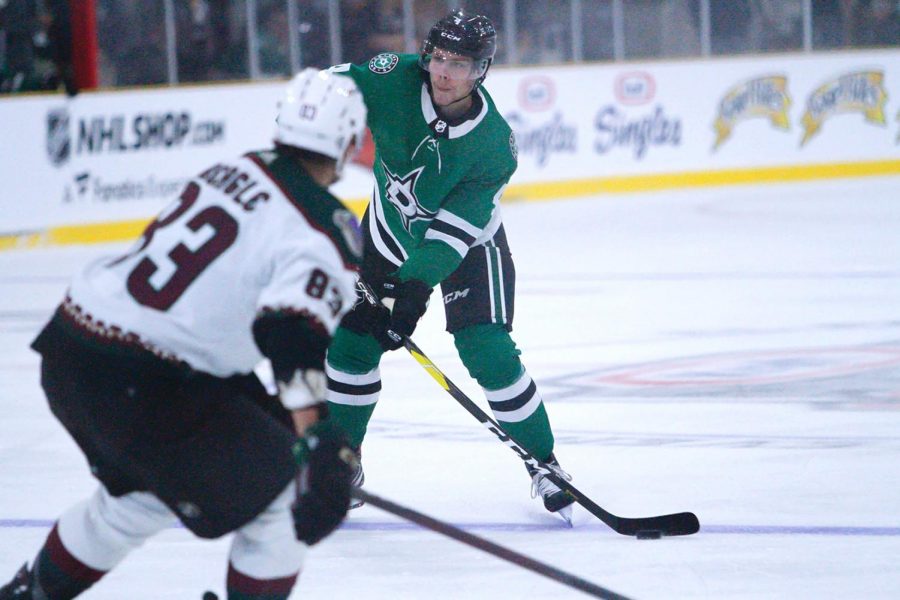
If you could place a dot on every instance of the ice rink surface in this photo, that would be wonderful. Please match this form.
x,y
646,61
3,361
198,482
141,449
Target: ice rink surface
x,y
733,352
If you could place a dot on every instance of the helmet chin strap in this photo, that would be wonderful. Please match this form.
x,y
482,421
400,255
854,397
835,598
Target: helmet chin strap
x,y
451,110
443,110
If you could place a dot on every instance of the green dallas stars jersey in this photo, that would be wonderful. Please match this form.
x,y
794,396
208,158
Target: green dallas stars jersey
x,y
437,184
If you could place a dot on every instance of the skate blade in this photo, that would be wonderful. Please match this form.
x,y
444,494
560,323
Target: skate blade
x,y
565,513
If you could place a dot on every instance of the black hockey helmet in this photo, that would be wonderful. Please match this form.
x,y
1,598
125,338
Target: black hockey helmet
x,y
468,35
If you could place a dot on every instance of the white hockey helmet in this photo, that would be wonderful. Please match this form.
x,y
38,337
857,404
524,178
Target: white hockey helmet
x,y
322,112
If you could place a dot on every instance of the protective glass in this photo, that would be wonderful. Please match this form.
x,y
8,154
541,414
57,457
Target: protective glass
x,y
453,66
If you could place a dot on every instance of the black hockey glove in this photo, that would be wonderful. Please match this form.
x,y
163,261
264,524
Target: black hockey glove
x,y
410,302
323,482
369,315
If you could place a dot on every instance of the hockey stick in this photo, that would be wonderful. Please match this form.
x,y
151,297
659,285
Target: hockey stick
x,y
684,523
488,546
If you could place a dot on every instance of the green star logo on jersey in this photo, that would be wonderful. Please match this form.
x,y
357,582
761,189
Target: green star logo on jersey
x,y
383,63
401,192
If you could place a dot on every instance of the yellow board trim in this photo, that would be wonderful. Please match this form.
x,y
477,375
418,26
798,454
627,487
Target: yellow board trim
x,y
117,231
694,179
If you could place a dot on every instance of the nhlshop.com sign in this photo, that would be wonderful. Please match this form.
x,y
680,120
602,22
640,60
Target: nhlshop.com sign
x,y
122,155
118,133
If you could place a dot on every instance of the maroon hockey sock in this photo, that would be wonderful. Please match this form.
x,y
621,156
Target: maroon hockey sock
x,y
58,573
244,587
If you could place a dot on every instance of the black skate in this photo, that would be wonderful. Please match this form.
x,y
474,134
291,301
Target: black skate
x,y
557,501
20,586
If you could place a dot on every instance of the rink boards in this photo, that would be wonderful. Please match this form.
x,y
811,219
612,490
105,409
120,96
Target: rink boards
x,y
96,167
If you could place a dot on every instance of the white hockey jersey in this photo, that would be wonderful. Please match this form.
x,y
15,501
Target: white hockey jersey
x,y
247,236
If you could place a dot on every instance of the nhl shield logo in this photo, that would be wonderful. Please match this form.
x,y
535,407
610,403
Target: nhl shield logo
x,y
59,142
349,227
384,63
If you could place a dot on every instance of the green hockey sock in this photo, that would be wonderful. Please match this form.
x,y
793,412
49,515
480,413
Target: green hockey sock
x,y
489,354
534,433
354,382
352,419
491,357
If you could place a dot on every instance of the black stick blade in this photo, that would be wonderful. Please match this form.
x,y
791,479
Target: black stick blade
x,y
684,523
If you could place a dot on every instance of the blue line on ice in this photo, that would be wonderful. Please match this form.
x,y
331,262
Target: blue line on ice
x,y
352,525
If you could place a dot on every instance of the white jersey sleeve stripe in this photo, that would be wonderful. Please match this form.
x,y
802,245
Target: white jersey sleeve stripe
x,y
457,244
457,222
377,223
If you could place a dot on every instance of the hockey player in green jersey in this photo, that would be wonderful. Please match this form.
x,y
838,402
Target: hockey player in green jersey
x,y
443,155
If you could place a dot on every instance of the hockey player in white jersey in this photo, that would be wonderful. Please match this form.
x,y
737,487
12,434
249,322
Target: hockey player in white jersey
x,y
148,364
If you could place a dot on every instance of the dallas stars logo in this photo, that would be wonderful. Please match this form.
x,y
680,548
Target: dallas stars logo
x,y
401,192
383,63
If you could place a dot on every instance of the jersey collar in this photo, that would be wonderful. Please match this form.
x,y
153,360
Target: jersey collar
x,y
442,128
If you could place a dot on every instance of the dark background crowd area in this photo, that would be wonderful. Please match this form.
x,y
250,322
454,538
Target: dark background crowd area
x,y
146,42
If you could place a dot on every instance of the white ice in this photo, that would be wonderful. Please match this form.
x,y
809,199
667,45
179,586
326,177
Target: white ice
x,y
733,352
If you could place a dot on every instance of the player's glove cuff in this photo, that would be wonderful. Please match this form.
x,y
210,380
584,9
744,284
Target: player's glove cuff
x,y
410,303
305,389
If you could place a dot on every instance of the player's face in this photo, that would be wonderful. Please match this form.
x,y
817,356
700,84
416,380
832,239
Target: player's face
x,y
450,76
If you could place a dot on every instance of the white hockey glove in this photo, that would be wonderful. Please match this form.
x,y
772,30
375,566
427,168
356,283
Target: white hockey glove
x,y
305,389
